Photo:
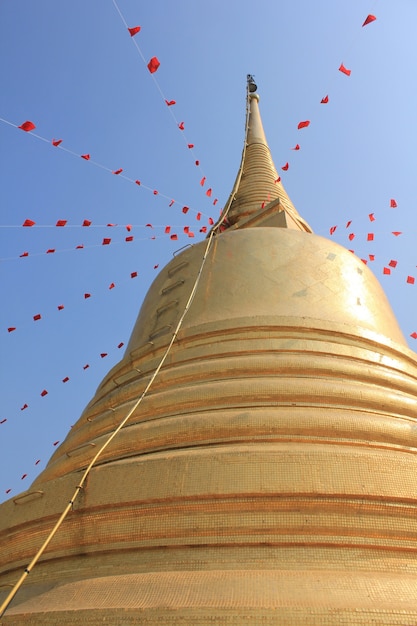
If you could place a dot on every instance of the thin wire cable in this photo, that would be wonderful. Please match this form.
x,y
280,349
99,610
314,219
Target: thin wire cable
x,y
70,504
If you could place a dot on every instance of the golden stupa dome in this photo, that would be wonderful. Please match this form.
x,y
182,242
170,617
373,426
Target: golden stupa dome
x,y
268,476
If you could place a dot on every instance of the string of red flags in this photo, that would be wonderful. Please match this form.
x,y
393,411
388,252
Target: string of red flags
x,y
325,99
153,65
29,126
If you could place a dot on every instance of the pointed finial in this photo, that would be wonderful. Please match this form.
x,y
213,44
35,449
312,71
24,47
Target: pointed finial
x,y
252,86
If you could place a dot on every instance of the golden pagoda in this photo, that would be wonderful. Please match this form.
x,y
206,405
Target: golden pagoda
x,y
268,473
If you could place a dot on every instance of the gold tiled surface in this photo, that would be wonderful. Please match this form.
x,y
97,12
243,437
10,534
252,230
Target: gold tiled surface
x,y
269,475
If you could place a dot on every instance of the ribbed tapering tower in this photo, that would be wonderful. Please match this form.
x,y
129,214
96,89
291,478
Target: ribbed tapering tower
x,y
269,475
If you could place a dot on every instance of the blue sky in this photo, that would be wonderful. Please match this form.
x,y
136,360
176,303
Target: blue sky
x,y
73,69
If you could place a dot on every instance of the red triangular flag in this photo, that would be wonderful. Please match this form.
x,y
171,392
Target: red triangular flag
x,y
170,103
64,380
117,172
174,236
130,238
121,344
11,329
167,230
28,223
386,270
85,156
133,274
61,223
198,216
411,280
332,230
396,233
370,237
137,182
181,126
106,241
37,317
296,147
50,251
351,236
44,393
86,223
112,286
185,209
371,217
202,181
303,124
153,65
369,19
56,142
344,70
87,295
393,204
324,100
285,167
27,126
134,31
208,192
60,307
393,263
24,254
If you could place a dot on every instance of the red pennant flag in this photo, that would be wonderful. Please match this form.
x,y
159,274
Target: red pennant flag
x,y
191,146
11,329
85,156
55,443
111,224
332,230
190,234
86,366
393,204
50,251
65,380
303,124
56,142
28,223
370,237
393,263
202,181
27,126
44,393
24,254
170,103
153,65
324,100
106,241
351,236
414,335
137,182
167,230
155,267
371,257
186,229
8,490
197,163
3,421
411,280
185,209
117,172
386,270
37,462
60,307
278,180
198,216
215,201
121,344
396,233
344,70
128,227
369,19
296,147
87,295
130,238
149,225
133,274
174,236
210,221
348,224
285,167
80,247
86,223
103,355
112,286
25,406
155,192
181,126
134,31
208,192
203,229
371,217
61,223
24,476
364,261
37,317
171,203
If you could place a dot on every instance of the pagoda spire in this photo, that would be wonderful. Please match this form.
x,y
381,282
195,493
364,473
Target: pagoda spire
x,y
258,197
